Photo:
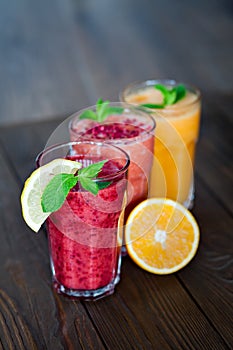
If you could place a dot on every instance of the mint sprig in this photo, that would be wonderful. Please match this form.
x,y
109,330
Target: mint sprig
x,y
56,191
170,96
103,110
58,188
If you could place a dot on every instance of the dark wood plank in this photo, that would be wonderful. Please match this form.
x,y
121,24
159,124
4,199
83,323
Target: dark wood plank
x,y
31,139
209,278
119,327
210,281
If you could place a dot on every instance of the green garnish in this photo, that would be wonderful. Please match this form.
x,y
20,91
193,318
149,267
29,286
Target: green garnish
x,y
103,110
170,96
58,188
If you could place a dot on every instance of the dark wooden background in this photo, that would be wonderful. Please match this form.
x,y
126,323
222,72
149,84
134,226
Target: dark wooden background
x,y
57,56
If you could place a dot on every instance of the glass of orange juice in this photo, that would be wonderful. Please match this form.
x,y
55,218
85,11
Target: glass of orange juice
x,y
177,130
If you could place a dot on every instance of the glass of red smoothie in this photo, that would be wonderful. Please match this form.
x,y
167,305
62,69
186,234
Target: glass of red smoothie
x,y
131,129
85,234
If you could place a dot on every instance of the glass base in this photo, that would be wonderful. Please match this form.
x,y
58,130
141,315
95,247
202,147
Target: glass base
x,y
89,294
92,294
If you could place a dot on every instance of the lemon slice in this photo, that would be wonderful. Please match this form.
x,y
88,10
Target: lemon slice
x,y
35,185
161,235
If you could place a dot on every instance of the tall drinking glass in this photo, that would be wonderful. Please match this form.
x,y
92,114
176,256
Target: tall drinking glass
x,y
85,234
133,131
177,130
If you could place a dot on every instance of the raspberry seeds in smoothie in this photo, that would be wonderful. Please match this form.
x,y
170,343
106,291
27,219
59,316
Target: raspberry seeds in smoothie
x,y
82,261
85,233
130,129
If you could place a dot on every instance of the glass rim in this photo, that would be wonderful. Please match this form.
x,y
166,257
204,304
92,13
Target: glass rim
x,y
127,106
94,143
170,82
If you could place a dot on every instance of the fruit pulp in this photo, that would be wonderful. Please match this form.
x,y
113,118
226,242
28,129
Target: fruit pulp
x,y
84,235
133,137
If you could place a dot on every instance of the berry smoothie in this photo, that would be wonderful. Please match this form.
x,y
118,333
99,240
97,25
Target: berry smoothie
x,y
85,234
134,133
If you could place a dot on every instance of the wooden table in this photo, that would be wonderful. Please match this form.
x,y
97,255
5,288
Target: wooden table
x,y
191,309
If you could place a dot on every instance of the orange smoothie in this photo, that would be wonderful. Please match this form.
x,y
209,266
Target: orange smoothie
x,y
177,130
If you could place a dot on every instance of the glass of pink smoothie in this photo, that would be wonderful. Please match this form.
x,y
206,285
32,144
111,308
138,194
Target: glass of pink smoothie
x,y
85,234
133,131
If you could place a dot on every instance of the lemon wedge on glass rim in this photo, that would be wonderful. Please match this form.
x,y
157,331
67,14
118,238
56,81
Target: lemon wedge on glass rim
x,y
34,186
161,235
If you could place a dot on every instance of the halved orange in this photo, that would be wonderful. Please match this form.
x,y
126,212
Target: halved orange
x,y
161,235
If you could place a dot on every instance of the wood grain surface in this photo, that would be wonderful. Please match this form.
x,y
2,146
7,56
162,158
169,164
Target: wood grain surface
x,y
191,309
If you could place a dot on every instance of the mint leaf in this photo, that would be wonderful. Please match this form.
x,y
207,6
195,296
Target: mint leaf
x,y
103,184
89,185
86,175
58,188
91,170
165,92
170,96
99,104
56,191
180,92
103,110
93,187
151,105
88,114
